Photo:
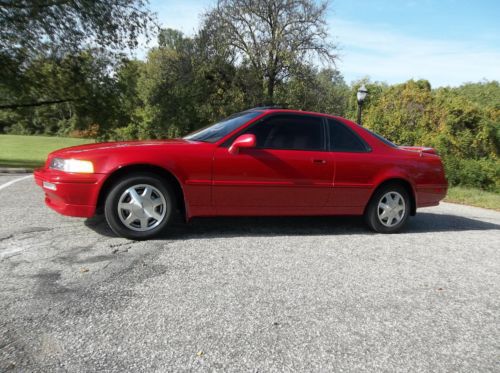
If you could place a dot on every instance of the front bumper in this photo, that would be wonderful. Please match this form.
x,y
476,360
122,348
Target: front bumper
x,y
69,193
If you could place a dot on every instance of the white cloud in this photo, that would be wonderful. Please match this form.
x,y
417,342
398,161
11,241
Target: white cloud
x,y
385,55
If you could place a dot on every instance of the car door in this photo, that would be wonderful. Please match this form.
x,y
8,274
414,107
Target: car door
x,y
355,168
289,169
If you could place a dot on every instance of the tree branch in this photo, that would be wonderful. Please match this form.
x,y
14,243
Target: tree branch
x,y
38,103
17,5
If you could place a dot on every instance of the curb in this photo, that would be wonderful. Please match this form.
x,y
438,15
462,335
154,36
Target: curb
x,y
10,170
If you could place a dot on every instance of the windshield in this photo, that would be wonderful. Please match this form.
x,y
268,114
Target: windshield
x,y
217,131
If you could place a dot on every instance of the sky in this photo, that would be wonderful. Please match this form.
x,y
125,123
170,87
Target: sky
x,y
448,42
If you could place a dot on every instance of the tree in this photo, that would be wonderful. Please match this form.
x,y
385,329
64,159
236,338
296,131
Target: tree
x,y
486,93
167,88
129,103
275,37
324,91
184,85
83,78
34,29
402,112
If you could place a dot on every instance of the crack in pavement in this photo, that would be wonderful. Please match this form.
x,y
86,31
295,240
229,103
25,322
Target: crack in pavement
x,y
6,237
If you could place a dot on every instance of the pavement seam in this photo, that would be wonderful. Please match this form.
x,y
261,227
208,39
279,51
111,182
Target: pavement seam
x,y
15,170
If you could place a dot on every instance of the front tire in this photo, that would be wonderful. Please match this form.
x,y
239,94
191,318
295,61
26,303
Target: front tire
x,y
139,206
389,209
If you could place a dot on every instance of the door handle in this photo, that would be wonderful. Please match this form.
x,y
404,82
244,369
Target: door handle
x,y
319,161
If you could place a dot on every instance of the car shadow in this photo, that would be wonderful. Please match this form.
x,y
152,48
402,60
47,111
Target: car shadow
x,y
298,226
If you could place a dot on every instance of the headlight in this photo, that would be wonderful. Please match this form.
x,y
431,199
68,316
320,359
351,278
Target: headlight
x,y
72,165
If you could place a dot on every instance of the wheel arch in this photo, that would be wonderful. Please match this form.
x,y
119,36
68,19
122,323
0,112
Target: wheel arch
x,y
163,173
402,182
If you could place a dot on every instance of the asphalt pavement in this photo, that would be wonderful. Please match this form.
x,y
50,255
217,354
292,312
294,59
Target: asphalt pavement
x,y
248,294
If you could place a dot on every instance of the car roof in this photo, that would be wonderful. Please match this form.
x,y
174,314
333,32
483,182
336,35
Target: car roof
x,y
281,109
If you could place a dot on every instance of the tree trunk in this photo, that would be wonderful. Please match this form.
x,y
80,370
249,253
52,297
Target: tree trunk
x,y
271,82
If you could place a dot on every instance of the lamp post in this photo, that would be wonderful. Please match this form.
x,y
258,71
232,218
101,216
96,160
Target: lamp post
x,y
361,95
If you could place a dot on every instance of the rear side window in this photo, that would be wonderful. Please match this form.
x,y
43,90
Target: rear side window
x,y
342,139
291,132
383,139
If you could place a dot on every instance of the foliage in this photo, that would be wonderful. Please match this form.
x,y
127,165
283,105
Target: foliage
x,y
323,91
31,26
166,87
181,87
41,30
84,80
273,37
480,173
486,93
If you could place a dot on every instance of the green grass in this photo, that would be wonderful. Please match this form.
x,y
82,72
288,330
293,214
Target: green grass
x,y
474,197
31,151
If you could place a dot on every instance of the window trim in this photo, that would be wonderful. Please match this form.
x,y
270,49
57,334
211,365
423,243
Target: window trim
x,y
330,145
325,145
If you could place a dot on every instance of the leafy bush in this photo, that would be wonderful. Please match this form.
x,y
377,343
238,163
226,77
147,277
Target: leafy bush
x,y
479,173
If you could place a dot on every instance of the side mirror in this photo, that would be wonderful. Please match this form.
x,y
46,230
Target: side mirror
x,y
243,141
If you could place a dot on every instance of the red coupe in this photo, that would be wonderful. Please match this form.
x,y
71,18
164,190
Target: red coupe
x,y
264,161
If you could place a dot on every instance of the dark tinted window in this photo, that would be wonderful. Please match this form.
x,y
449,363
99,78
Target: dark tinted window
x,y
342,139
217,131
293,132
383,139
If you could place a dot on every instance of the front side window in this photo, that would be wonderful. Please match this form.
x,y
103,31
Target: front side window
x,y
289,132
342,139
217,131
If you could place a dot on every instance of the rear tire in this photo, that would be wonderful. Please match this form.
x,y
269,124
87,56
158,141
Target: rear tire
x,y
139,206
388,209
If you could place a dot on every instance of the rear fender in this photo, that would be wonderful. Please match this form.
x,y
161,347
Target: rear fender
x,y
400,175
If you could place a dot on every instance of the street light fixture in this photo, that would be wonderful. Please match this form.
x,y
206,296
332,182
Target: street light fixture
x,y
361,95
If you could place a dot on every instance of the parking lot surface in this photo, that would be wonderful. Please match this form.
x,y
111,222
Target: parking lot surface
x,y
248,294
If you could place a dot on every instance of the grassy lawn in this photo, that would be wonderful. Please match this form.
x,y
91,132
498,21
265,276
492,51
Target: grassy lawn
x,y
31,151
474,197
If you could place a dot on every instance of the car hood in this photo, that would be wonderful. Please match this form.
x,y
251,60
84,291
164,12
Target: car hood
x,y
75,151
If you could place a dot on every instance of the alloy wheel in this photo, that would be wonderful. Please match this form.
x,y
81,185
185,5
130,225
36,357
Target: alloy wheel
x,y
142,207
391,209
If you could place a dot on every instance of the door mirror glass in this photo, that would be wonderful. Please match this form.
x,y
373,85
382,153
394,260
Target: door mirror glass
x,y
243,141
